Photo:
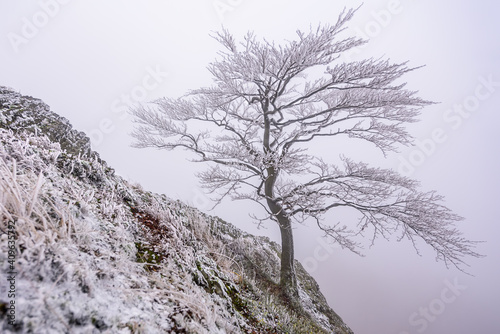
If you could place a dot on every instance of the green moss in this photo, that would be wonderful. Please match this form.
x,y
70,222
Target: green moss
x,y
240,303
149,257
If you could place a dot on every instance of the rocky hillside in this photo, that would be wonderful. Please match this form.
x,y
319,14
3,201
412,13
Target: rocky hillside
x,y
84,251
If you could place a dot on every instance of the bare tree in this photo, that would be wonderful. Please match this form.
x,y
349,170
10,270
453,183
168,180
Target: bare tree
x,y
253,127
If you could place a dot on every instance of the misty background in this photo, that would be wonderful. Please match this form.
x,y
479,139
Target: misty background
x,y
90,60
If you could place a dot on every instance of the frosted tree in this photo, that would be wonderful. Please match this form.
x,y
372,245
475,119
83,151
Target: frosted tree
x,y
254,126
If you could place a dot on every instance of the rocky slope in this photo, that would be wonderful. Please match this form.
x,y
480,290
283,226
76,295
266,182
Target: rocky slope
x,y
92,253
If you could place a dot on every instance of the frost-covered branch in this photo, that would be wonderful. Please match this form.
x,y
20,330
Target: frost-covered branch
x,y
268,104
387,202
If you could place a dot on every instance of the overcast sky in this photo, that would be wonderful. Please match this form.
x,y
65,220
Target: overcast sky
x,y
90,59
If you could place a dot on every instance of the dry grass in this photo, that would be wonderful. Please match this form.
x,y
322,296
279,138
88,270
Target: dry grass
x,y
76,242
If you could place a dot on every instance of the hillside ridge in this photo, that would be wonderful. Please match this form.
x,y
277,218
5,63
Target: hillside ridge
x,y
94,253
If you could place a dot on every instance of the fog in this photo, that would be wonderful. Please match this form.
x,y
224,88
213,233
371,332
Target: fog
x,y
89,60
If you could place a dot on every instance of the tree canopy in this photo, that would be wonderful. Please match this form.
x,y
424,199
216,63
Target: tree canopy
x,y
254,126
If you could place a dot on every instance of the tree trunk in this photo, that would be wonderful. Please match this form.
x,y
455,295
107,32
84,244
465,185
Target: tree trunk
x,y
288,280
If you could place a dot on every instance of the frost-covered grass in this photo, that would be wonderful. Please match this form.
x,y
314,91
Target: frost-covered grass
x,y
97,254
77,253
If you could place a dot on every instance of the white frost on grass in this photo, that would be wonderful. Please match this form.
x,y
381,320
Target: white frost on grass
x,y
78,269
